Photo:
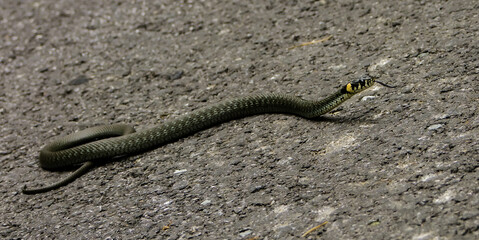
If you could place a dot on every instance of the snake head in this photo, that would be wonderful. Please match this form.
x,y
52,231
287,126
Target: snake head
x,y
358,85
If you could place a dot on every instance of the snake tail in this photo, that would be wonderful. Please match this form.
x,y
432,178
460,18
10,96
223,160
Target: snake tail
x,y
107,142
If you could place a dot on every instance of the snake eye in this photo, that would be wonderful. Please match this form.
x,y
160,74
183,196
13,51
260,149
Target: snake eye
x,y
364,80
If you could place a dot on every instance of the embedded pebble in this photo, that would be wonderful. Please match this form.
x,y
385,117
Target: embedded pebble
x,y
435,127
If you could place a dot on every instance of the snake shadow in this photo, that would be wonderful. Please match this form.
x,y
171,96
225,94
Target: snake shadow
x,y
352,120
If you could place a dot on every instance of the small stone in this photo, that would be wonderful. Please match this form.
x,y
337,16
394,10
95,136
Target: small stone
x,y
435,127
366,98
180,171
441,116
245,233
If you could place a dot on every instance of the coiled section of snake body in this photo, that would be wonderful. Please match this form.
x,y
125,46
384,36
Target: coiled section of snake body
x,y
121,140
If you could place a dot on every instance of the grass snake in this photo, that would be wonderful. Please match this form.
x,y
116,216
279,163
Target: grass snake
x,y
91,145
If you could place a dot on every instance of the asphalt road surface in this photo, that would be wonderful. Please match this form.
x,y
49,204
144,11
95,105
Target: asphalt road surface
x,y
388,164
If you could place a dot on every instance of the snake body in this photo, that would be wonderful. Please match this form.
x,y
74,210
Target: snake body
x,y
106,142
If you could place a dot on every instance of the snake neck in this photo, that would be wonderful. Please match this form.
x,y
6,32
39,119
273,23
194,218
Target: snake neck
x,y
323,106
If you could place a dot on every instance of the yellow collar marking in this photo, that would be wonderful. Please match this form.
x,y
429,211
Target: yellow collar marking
x,y
349,88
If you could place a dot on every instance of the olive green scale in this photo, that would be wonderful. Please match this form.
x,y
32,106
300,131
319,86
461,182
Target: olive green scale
x,y
107,142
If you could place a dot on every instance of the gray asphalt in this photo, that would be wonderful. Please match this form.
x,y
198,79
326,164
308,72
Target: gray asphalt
x,y
388,164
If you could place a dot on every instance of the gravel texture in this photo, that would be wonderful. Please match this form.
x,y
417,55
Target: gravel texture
x,y
388,164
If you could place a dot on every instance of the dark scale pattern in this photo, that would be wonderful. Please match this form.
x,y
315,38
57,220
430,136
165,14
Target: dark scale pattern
x,y
80,147
106,142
